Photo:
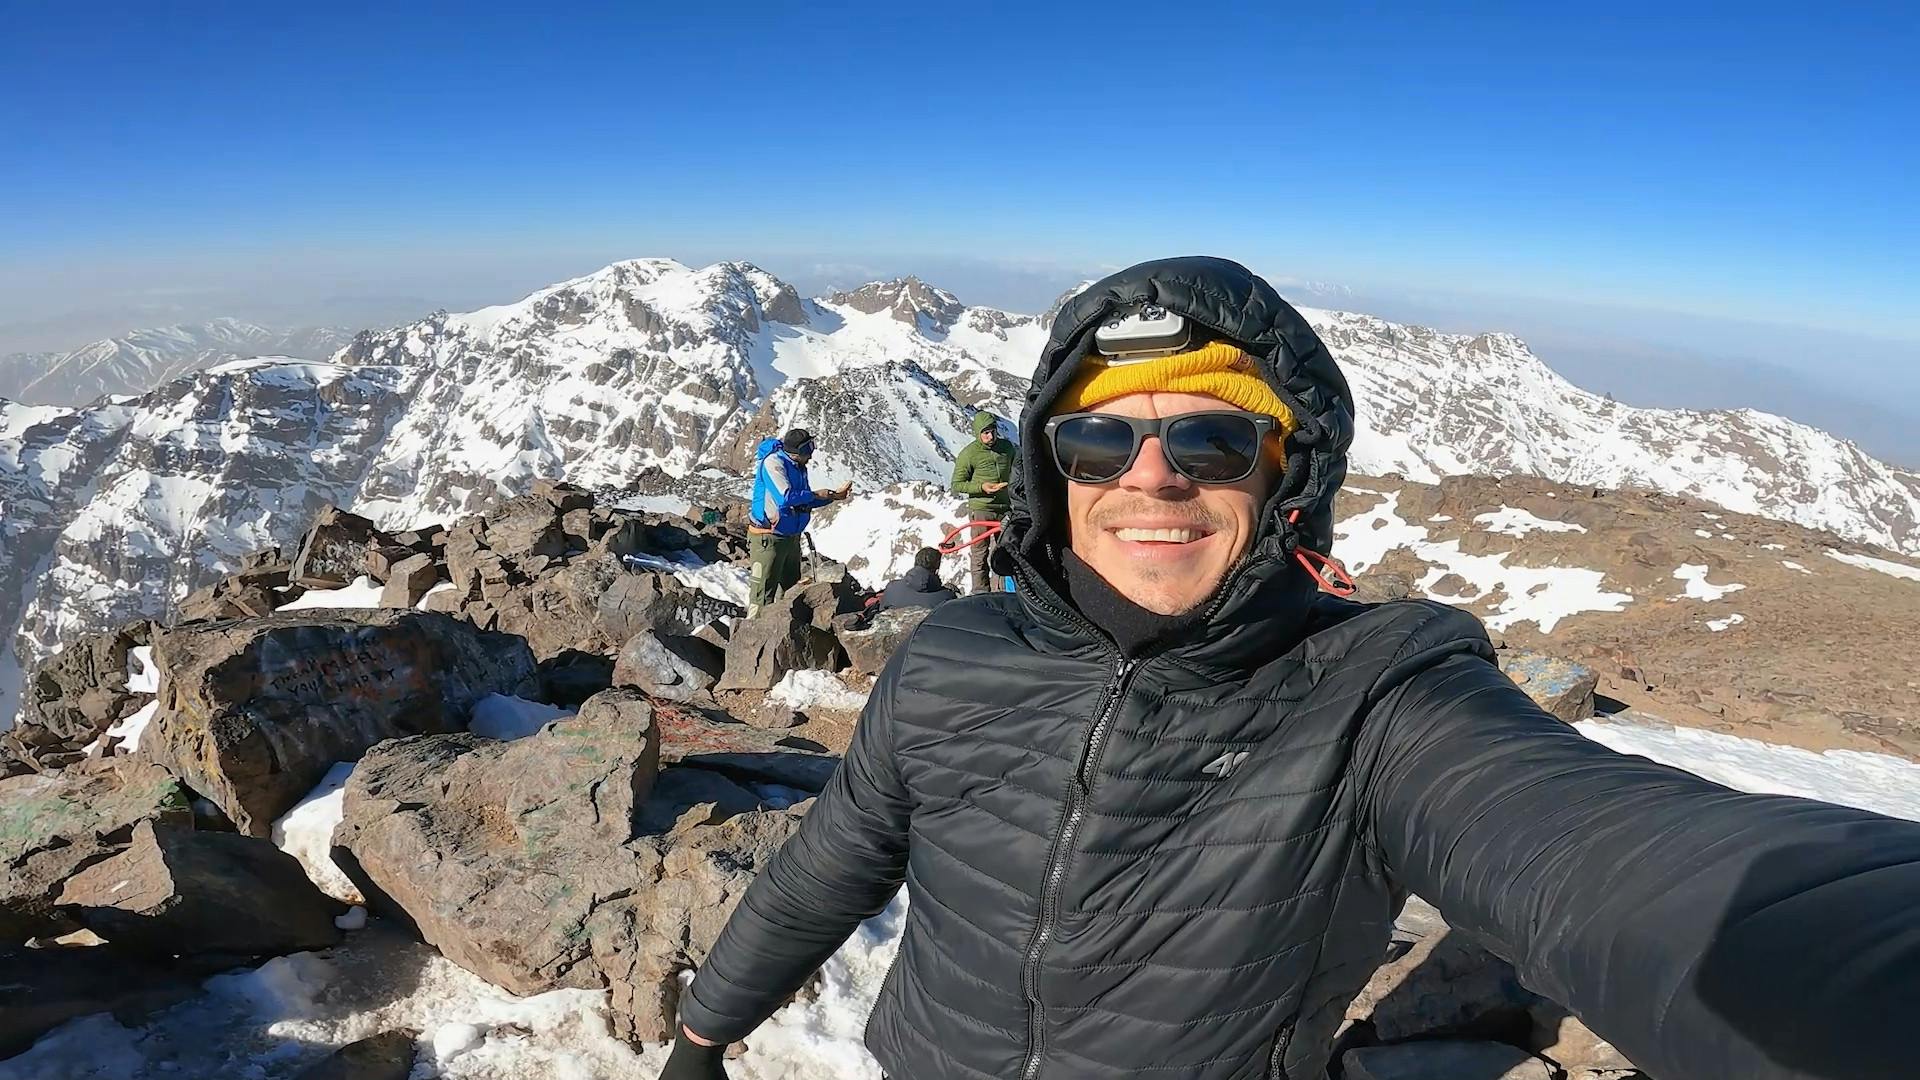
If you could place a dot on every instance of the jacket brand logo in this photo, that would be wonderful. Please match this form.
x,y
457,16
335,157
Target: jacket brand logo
x,y
1223,766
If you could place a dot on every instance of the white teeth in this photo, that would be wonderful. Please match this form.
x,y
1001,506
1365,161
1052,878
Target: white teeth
x,y
1161,536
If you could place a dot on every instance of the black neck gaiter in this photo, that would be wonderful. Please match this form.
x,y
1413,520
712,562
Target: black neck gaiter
x,y
1133,628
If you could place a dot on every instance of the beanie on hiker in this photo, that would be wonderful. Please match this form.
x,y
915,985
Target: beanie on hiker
x,y
797,441
983,420
1216,369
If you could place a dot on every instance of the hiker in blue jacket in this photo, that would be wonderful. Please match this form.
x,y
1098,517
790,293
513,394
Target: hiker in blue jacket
x,y
783,503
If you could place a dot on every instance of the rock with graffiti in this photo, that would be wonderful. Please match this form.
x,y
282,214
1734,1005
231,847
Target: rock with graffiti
x,y
254,711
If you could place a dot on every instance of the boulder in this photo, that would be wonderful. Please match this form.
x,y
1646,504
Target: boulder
x,y
525,526
636,602
52,827
551,618
382,557
1561,687
419,540
1445,1059
869,650
1443,983
463,555
75,695
175,891
671,667
762,651
386,1056
1572,1045
252,714
578,527
564,497
334,550
408,580
625,536
694,877
497,851
45,988
711,741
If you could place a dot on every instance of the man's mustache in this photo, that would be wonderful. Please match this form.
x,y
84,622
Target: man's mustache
x,y
1108,513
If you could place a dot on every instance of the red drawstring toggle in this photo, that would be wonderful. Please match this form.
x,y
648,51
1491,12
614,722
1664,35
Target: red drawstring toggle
x,y
951,546
1342,584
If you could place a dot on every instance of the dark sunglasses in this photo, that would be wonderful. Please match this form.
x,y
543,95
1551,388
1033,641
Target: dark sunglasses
x,y
1221,447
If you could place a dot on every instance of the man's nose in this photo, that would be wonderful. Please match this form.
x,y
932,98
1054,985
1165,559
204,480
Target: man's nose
x,y
1150,471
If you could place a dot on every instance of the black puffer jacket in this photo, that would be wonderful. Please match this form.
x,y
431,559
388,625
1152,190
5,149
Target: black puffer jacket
x,y
1183,867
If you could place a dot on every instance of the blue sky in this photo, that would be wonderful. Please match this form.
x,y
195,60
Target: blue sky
x,y
1722,165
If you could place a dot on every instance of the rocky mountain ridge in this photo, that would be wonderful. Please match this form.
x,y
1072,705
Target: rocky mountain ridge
x,y
142,360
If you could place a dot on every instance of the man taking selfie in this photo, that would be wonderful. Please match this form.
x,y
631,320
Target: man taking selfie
x,y
1159,808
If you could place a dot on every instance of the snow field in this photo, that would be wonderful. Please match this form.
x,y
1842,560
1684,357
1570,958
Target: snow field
x,y
306,833
1541,595
1512,521
1884,566
498,716
362,592
1697,585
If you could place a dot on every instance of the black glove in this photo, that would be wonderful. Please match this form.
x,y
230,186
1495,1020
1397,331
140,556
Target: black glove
x,y
691,1061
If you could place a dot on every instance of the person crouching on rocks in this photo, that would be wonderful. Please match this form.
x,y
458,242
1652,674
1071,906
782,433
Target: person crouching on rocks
x,y
920,586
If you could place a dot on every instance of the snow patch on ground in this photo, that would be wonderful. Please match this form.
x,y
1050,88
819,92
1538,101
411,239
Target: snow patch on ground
x,y
1541,595
1703,534
1698,587
810,689
1514,521
306,833
721,580
1884,566
1717,625
1878,782
444,586
364,592
1791,565
354,919
656,504
499,716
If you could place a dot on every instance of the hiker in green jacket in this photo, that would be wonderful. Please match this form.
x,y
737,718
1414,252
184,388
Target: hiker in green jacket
x,y
981,473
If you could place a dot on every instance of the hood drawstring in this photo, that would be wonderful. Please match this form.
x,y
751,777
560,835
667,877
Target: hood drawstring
x,y
1313,562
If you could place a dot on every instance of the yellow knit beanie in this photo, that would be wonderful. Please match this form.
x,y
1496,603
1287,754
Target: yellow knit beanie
x,y
1216,369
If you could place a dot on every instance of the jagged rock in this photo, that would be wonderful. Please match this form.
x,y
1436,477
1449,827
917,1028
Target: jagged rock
x,y
45,988
762,651
626,536
408,580
386,1056
463,554
1445,1059
571,677
334,550
1443,983
52,827
497,851
1570,1044
420,540
695,875
381,559
525,526
564,497
553,619
774,716
252,714
868,650
74,695
179,891
579,527
1561,687
672,667
634,602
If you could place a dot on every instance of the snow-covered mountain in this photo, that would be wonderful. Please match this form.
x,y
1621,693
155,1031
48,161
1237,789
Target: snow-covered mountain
x,y
651,363
1433,404
649,368
145,359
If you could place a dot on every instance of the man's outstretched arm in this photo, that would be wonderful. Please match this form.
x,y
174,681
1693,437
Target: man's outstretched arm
x,y
844,864
1703,931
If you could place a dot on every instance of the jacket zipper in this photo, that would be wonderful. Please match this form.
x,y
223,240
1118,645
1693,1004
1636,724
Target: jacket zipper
x,y
1277,1061
1056,867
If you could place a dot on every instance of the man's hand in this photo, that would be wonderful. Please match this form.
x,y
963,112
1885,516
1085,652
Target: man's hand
x,y
693,1059
840,493
992,487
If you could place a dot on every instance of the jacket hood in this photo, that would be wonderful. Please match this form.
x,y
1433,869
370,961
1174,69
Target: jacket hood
x,y
921,579
766,448
1225,300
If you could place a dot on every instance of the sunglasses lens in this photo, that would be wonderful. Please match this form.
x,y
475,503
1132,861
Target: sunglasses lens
x,y
1092,449
1214,449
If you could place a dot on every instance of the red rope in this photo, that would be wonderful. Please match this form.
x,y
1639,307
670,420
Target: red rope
x,y
950,546
1342,583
